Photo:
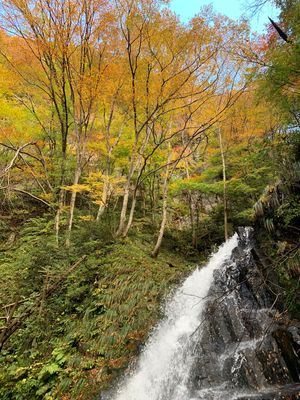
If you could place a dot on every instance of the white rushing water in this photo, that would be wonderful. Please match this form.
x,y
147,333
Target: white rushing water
x,y
163,368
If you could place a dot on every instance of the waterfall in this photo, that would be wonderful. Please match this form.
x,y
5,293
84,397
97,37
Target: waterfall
x,y
218,339
163,369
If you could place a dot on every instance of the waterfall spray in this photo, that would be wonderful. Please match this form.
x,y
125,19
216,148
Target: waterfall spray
x,y
164,365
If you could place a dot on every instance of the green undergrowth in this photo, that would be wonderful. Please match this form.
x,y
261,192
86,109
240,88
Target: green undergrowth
x,y
82,336
278,220
283,255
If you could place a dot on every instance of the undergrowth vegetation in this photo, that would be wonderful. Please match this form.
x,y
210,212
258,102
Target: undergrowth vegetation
x,y
90,327
278,219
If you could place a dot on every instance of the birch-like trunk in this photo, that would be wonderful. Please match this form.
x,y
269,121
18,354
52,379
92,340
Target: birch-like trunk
x,y
124,209
123,214
102,206
164,211
131,214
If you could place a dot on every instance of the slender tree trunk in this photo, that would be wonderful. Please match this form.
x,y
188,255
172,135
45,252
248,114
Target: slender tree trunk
x,y
122,221
100,212
101,208
152,196
163,221
123,230
224,185
72,206
124,209
144,201
164,211
131,214
61,195
58,215
192,209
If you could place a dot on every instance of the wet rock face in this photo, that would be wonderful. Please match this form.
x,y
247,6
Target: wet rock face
x,y
243,351
288,392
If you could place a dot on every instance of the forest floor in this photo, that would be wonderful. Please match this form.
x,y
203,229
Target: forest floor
x,y
92,305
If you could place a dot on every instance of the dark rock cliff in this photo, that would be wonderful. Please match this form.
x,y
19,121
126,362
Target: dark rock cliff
x,y
247,349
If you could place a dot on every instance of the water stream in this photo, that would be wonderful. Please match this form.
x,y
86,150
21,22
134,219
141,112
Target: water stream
x,y
218,339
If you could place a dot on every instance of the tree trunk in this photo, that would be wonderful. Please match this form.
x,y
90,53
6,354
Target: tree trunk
x,y
164,211
224,186
130,219
72,206
144,201
58,214
101,208
152,197
163,221
122,221
124,209
61,196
